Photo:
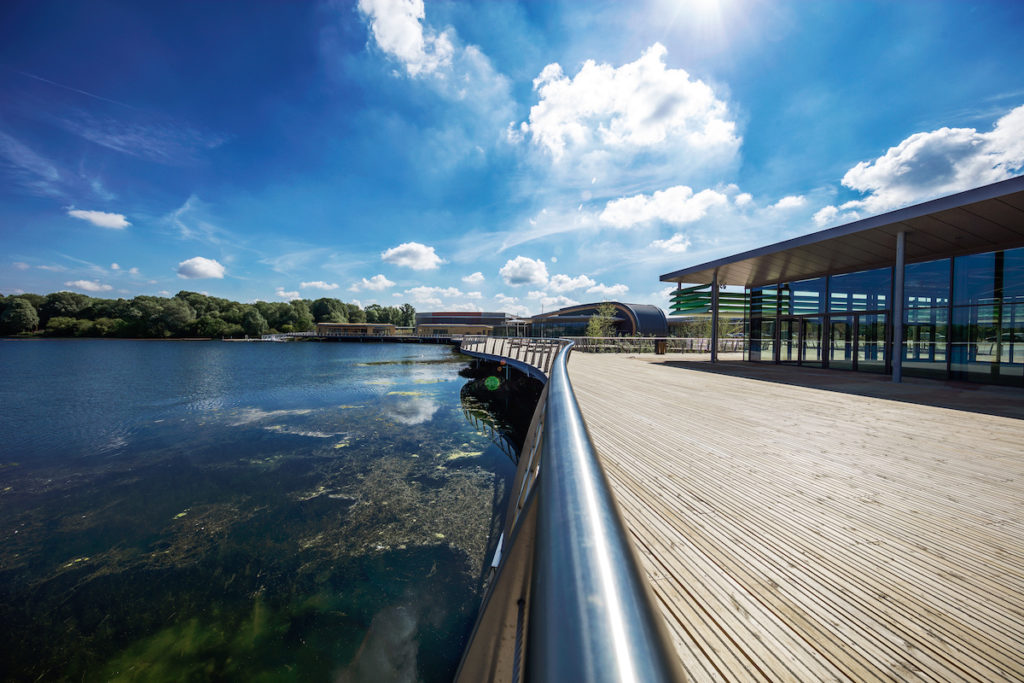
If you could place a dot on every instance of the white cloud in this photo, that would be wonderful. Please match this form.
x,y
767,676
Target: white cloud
x,y
377,283
636,107
743,198
319,284
677,244
551,302
398,30
476,278
412,255
52,269
933,164
474,295
114,266
790,202
89,285
676,205
199,267
286,295
564,283
20,265
101,219
432,295
825,216
608,290
133,271
523,270
464,306
510,304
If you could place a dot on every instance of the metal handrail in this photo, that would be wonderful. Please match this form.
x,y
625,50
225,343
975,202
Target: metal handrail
x,y
568,599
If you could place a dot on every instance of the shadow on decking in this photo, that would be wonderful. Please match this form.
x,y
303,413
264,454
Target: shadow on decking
x,y
1001,401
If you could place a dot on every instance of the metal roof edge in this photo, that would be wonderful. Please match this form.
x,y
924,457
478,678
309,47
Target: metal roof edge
x,y
953,201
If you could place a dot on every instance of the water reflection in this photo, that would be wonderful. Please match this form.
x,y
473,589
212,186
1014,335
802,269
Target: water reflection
x,y
315,527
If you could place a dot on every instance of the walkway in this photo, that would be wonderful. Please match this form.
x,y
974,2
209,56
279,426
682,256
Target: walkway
x,y
818,525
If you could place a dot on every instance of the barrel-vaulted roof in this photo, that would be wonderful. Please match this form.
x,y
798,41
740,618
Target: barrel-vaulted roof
x,y
986,218
643,319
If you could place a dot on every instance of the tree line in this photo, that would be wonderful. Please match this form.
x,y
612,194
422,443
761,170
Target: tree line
x,y
186,314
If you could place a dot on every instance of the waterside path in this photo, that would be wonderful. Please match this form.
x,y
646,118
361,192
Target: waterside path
x,y
818,525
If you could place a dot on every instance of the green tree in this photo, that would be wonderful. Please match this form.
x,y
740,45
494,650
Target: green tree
x,y
175,317
301,319
18,317
64,304
210,326
603,323
374,313
355,314
328,310
408,318
253,323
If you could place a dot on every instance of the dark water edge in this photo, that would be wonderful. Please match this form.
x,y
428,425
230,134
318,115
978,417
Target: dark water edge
x,y
237,512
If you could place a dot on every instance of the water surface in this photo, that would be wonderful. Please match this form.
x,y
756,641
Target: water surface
x,y
241,511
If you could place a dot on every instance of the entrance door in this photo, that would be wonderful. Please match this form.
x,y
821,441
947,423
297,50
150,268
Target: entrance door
x,y
789,340
841,342
871,342
810,342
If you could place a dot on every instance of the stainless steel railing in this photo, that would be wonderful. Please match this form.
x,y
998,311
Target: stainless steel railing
x,y
567,599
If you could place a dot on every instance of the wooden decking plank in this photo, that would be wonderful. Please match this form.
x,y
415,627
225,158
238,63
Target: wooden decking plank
x,y
884,553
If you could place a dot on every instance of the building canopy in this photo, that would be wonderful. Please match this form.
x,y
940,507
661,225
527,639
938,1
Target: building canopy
x,y
987,218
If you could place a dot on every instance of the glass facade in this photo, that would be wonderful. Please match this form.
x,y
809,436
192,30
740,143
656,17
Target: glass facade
x,y
963,319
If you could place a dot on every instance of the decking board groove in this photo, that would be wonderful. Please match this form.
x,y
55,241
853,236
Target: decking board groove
x,y
797,532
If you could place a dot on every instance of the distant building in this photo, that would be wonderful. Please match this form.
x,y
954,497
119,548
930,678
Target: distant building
x,y
355,330
448,323
630,320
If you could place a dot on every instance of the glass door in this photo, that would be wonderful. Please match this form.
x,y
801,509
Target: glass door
x,y
810,342
789,340
871,342
841,342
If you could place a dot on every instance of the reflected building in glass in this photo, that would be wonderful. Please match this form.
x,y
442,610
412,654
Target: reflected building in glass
x,y
945,277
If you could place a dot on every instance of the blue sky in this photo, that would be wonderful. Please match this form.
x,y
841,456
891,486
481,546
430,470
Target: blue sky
x,y
476,156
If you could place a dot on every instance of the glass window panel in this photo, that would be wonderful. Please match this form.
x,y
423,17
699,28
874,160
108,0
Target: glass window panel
x,y
1013,275
762,340
763,302
807,296
926,284
974,279
867,290
789,340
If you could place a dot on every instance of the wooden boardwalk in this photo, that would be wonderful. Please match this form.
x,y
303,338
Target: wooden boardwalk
x,y
809,525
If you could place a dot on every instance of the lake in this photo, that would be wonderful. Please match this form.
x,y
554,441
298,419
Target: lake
x,y
242,511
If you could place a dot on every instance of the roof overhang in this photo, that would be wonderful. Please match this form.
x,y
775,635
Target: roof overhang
x,y
986,218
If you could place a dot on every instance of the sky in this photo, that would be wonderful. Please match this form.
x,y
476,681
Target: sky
x,y
496,156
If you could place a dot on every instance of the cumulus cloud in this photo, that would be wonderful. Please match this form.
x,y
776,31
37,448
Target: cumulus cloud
x,y
114,266
377,283
742,199
790,202
412,255
676,205
476,278
101,219
21,265
523,270
465,306
551,302
633,108
932,164
89,285
133,271
608,291
677,244
198,267
319,284
397,28
286,295
432,295
564,283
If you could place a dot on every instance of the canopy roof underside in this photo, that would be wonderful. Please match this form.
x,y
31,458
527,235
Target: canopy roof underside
x,y
986,218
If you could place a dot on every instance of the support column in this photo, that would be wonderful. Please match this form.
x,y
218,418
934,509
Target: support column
x,y
714,318
897,307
